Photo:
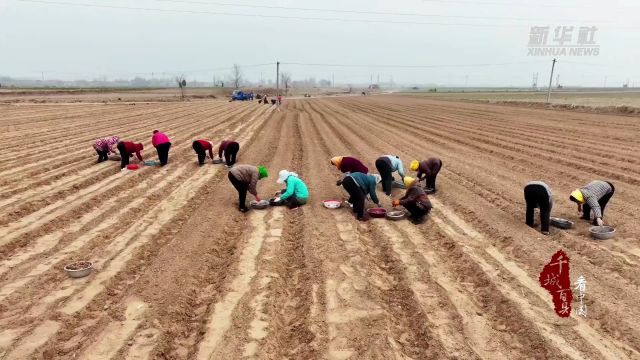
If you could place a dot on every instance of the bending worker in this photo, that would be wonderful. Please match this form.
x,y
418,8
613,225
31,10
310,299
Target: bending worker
x,y
415,200
127,149
359,185
105,146
230,150
201,147
295,194
537,194
347,164
593,197
427,169
245,178
387,165
162,144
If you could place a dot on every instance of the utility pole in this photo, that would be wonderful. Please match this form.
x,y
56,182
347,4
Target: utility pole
x,y
333,80
553,65
277,83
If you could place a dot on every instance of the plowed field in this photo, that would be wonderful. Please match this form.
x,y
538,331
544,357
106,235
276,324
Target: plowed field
x,y
181,274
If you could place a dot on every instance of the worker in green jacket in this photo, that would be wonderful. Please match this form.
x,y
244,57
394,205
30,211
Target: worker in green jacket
x,y
295,194
360,186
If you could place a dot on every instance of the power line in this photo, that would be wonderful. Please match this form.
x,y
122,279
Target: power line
x,y
398,66
64,3
275,7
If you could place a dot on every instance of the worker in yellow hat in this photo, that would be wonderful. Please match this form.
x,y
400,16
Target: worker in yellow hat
x,y
427,170
592,199
415,200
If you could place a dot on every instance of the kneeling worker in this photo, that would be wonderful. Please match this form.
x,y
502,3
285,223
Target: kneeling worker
x,y
358,185
415,200
593,197
537,194
245,178
296,193
201,147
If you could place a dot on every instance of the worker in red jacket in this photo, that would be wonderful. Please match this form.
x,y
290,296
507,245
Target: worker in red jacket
x,y
230,149
127,149
348,165
162,144
201,147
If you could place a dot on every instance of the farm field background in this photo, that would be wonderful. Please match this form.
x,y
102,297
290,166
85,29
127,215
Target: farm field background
x,y
595,99
181,274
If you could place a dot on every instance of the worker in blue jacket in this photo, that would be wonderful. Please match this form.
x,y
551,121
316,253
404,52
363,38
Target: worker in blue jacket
x,y
359,186
387,165
295,194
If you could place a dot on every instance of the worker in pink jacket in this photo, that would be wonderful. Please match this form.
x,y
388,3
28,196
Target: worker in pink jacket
x,y
162,144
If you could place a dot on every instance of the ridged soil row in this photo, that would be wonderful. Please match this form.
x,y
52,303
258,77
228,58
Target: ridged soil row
x,y
80,307
586,334
499,179
17,234
370,308
68,175
73,154
101,217
523,323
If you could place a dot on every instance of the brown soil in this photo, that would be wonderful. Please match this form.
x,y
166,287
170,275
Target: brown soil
x,y
181,274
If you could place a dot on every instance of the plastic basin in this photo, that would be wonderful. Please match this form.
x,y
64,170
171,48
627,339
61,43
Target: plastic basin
x,y
561,223
377,212
79,269
218,161
396,215
602,232
260,205
332,204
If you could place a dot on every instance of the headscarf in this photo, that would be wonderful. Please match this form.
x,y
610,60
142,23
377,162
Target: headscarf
x,y
577,195
414,165
336,161
408,181
283,175
262,172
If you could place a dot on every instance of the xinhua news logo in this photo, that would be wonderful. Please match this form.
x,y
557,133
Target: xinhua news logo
x,y
564,41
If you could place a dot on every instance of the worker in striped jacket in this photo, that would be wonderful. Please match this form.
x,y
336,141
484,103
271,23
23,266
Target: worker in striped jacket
x,y
593,197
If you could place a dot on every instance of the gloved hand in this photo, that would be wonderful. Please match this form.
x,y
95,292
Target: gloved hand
x,y
277,199
599,222
258,199
395,203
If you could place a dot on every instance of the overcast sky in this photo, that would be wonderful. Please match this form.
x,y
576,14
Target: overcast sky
x,y
63,41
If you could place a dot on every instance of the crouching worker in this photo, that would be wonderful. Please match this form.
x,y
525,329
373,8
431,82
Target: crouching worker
x,y
245,178
359,185
427,170
415,200
295,194
230,150
593,197
537,194
127,149
201,147
387,165
161,142
105,146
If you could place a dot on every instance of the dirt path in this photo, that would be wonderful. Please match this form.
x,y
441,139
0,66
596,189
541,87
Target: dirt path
x,y
181,274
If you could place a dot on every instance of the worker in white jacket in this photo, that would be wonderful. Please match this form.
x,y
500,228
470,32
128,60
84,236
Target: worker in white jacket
x,y
387,165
